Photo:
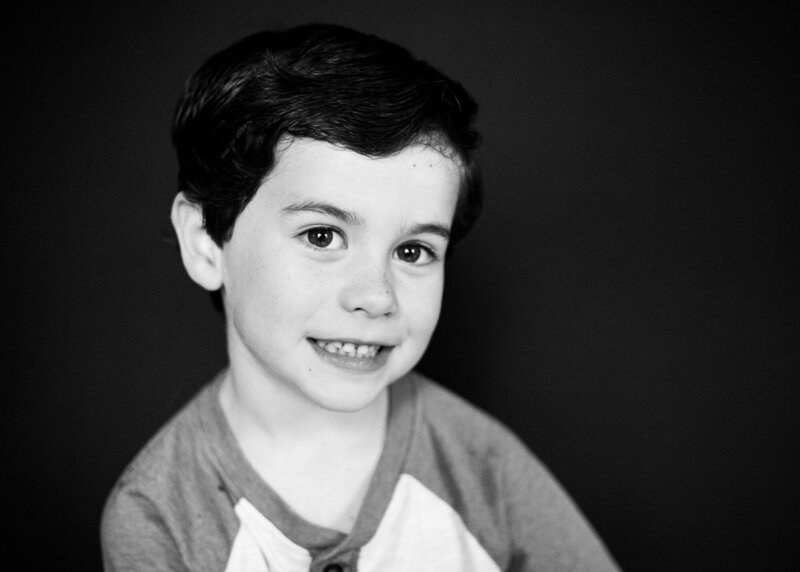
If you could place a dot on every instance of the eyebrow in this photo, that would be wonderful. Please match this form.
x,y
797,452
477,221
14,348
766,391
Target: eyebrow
x,y
430,228
349,217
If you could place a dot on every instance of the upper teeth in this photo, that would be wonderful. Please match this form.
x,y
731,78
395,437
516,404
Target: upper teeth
x,y
349,349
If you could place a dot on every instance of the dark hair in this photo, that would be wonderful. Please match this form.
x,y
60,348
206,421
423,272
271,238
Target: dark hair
x,y
316,81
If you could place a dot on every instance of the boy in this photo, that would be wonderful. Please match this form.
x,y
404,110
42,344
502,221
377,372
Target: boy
x,y
324,174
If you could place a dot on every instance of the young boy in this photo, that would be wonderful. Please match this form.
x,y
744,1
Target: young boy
x,y
324,174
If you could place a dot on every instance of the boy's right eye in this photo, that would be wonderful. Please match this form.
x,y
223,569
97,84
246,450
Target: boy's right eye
x,y
323,238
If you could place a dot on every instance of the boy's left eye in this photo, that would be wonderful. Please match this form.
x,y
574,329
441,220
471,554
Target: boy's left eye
x,y
415,253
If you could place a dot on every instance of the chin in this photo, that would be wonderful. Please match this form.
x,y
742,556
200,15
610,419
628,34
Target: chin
x,y
348,399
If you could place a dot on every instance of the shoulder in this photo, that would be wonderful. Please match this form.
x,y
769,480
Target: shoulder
x,y
463,425
151,514
504,494
470,459
163,461
476,438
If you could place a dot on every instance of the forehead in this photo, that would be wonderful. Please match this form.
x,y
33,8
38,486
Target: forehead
x,y
306,166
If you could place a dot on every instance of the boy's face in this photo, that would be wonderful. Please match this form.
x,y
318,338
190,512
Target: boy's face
x,y
333,276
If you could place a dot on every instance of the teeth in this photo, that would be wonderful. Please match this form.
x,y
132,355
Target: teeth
x,y
349,349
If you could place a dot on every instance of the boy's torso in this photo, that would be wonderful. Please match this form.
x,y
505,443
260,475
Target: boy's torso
x,y
438,500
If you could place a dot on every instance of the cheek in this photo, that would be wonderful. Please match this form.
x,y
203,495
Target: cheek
x,y
424,304
286,289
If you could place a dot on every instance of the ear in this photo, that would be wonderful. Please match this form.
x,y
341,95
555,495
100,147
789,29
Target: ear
x,y
201,256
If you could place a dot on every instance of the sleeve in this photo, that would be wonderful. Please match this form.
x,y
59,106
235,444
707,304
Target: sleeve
x,y
134,536
548,531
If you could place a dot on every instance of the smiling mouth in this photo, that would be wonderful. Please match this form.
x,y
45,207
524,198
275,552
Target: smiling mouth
x,y
349,349
352,355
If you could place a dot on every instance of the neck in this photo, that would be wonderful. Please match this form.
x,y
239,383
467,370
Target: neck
x,y
263,411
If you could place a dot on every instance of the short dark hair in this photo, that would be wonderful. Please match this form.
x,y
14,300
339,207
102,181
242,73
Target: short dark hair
x,y
317,81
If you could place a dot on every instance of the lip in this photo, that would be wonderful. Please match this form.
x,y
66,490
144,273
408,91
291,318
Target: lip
x,y
353,363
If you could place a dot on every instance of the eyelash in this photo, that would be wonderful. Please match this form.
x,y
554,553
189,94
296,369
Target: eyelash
x,y
427,250
304,236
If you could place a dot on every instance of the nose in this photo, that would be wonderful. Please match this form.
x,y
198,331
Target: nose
x,y
371,292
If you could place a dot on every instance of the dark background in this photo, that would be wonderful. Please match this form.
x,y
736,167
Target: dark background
x,y
626,303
